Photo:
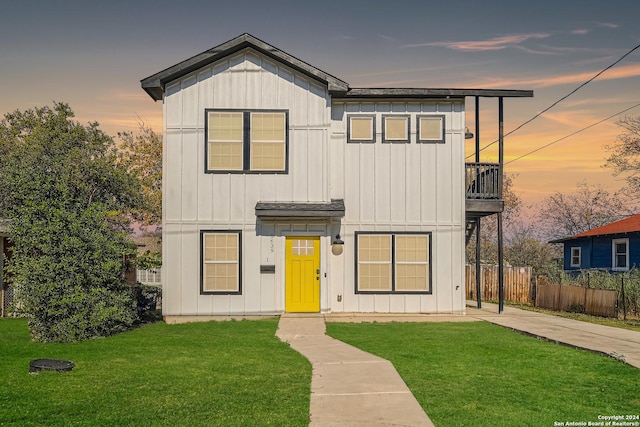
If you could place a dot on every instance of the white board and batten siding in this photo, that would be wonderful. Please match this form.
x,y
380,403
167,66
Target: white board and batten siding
x,y
385,187
399,187
195,201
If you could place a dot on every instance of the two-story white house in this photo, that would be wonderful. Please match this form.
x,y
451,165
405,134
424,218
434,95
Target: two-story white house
x,y
286,190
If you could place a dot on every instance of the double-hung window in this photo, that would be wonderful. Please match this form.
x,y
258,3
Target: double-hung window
x,y
246,141
576,253
620,254
221,255
393,262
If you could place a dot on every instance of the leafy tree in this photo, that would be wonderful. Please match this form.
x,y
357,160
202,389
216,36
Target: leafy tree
x,y
489,225
564,215
524,247
141,153
625,155
66,196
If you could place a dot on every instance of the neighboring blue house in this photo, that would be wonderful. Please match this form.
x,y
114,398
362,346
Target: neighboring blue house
x,y
613,247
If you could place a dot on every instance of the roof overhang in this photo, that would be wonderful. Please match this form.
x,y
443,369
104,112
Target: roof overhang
x,y
421,93
155,85
333,209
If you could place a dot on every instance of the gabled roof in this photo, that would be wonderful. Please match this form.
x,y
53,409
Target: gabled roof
x,y
154,85
627,225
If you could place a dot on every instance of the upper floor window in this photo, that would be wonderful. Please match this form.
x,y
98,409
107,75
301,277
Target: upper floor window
x,y
430,128
246,141
361,128
620,253
575,256
395,128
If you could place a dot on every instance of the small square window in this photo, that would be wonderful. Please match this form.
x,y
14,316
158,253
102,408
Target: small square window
x,y
430,129
395,128
361,128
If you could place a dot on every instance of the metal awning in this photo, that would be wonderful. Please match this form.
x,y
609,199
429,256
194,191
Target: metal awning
x,y
332,209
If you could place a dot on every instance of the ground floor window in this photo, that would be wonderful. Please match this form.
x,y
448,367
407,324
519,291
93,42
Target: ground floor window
x,y
620,249
575,256
221,262
393,262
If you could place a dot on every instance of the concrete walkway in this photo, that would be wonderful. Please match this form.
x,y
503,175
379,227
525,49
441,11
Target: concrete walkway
x,y
349,387
621,344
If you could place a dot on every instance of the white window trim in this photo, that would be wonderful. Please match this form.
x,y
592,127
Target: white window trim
x,y
579,249
615,242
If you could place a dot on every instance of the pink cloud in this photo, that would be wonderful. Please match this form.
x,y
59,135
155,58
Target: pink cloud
x,y
496,43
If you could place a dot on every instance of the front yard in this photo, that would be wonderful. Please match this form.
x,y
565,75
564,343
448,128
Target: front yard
x,y
205,374
479,374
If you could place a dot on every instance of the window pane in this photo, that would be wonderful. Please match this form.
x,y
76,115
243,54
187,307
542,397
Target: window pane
x,y
221,277
267,156
220,247
396,128
431,128
412,248
225,155
412,277
361,128
374,277
268,127
373,248
268,141
225,126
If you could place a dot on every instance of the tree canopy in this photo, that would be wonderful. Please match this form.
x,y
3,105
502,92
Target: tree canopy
x,y
141,153
66,197
590,206
625,155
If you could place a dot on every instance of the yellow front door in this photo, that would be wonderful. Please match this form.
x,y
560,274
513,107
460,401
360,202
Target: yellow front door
x,y
302,284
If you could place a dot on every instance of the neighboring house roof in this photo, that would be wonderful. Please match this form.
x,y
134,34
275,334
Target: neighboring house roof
x,y
627,225
155,85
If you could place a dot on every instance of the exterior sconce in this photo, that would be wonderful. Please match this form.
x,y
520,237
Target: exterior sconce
x,y
467,134
337,245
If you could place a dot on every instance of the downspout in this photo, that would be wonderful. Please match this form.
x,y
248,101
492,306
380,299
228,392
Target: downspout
x,y
500,188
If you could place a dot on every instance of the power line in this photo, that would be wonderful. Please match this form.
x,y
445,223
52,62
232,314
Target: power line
x,y
561,99
572,134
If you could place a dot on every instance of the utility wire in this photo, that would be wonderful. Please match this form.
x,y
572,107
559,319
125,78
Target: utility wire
x,y
561,99
571,134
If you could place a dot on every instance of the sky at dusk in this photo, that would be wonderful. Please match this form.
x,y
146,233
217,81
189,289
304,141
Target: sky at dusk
x,y
93,55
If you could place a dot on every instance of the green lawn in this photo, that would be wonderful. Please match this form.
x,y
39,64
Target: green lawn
x,y
479,374
200,374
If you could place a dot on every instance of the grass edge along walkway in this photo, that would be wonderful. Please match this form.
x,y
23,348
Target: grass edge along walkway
x,y
480,374
197,374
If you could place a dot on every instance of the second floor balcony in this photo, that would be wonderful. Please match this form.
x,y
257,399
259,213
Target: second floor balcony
x,y
482,183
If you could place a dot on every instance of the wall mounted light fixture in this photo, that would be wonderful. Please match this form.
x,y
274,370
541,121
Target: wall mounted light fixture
x,y
337,245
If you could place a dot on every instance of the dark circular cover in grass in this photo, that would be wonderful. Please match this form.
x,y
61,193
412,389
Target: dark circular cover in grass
x,y
50,365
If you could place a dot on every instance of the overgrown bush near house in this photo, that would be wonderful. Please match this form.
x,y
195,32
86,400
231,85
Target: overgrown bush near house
x,y
66,197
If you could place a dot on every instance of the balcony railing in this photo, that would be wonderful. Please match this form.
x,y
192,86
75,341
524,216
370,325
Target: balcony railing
x,y
482,180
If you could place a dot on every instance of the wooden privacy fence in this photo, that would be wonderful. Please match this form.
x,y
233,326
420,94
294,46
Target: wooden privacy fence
x,y
517,283
600,302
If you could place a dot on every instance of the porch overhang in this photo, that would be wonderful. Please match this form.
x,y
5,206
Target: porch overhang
x,y
332,209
